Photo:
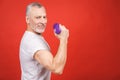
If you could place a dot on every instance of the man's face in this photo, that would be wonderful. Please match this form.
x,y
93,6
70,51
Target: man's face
x,y
37,19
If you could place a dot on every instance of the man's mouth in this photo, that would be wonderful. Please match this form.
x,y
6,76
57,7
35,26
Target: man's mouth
x,y
41,25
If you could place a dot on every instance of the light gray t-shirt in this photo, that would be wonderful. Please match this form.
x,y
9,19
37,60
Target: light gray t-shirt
x,y
30,68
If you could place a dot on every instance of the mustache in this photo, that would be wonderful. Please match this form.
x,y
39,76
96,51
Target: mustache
x,y
41,24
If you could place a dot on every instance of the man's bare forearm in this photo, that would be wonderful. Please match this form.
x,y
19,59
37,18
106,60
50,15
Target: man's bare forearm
x,y
61,56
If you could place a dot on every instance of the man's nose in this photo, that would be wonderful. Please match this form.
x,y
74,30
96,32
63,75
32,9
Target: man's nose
x,y
43,20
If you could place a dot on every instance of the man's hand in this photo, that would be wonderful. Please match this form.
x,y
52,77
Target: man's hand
x,y
64,33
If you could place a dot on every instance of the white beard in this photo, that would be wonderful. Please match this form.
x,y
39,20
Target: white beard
x,y
37,30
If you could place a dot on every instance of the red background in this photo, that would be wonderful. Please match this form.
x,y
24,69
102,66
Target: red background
x,y
94,43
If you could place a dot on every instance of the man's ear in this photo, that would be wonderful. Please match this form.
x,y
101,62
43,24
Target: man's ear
x,y
27,20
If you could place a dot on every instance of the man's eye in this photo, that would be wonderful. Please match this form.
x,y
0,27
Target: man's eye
x,y
38,17
44,17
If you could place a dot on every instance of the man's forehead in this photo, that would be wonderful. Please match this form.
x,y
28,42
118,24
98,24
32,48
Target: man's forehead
x,y
36,10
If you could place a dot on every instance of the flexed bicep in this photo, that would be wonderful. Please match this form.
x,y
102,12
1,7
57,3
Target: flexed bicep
x,y
45,58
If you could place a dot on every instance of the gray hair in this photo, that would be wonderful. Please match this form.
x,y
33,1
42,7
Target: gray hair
x,y
34,4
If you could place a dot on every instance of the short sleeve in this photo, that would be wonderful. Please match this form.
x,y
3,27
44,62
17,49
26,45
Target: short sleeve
x,y
36,44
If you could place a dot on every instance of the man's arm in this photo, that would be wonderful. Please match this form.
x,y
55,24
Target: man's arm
x,y
55,64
